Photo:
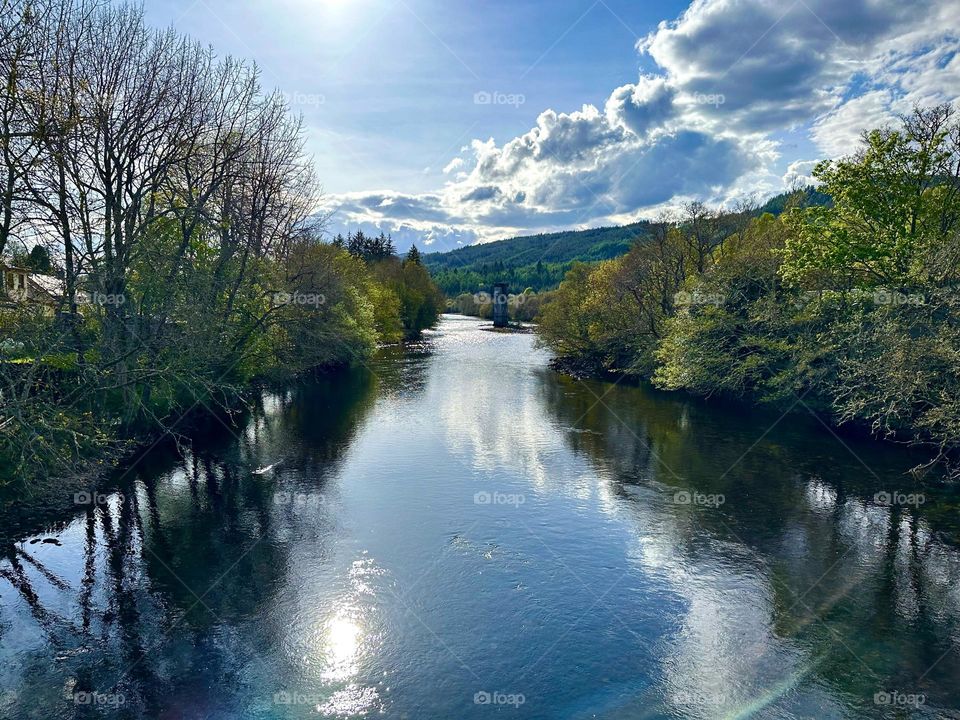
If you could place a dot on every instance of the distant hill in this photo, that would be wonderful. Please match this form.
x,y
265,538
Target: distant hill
x,y
804,198
536,261
541,261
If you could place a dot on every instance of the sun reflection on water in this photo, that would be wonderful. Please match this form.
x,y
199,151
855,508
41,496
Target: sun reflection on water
x,y
341,649
344,642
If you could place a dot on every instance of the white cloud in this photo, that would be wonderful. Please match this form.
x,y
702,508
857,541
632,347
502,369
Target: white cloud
x,y
778,64
454,164
643,107
837,133
799,174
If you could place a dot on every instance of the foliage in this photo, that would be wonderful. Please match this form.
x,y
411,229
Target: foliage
x,y
571,323
809,196
368,249
848,307
896,208
420,300
731,337
523,307
191,260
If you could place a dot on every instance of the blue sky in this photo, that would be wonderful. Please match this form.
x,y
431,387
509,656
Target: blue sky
x,y
455,122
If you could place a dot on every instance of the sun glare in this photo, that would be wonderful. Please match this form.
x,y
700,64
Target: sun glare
x,y
342,645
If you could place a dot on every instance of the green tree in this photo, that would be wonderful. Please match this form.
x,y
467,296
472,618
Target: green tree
x,y
38,260
421,301
733,334
569,324
896,211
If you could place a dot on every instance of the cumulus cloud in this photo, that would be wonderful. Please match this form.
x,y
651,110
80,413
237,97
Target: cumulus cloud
x,y
799,174
777,64
643,107
837,132
731,75
454,164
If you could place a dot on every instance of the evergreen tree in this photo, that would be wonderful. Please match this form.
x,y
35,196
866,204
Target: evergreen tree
x,y
38,260
414,255
382,247
357,244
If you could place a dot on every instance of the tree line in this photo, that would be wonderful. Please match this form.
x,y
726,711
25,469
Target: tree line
x,y
849,308
173,199
539,276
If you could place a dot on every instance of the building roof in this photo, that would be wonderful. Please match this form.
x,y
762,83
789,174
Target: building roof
x,y
51,285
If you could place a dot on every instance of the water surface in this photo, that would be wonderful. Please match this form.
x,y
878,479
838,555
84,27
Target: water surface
x,y
457,532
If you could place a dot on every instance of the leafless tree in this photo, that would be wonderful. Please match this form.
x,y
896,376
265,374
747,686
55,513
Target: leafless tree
x,y
167,183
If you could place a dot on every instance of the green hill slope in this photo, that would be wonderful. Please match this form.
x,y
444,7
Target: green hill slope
x,y
541,261
537,261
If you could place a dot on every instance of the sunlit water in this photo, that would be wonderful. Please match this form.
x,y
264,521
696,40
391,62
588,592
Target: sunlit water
x,y
457,532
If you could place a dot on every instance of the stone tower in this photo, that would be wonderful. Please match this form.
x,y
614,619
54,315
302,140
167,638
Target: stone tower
x,y
501,310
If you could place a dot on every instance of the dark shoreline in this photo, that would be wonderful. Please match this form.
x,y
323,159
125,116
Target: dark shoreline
x,y
925,469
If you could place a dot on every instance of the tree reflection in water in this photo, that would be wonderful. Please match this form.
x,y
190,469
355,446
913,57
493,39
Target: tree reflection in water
x,y
864,588
155,601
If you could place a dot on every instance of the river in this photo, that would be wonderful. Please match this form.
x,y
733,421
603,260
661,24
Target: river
x,y
455,531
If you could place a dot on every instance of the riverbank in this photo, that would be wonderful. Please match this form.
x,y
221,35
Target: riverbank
x,y
928,465
67,411
801,309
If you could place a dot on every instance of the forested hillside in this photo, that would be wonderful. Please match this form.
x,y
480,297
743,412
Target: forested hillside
x,y
535,261
541,261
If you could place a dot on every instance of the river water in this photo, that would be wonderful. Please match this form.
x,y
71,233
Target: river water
x,y
456,531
